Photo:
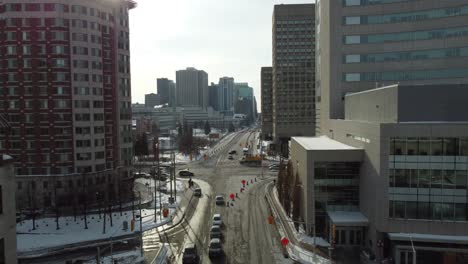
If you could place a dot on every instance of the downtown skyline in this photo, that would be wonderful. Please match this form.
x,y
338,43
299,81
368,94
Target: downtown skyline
x,y
190,39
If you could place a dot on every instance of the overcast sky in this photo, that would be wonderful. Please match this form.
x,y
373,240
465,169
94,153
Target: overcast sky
x,y
222,37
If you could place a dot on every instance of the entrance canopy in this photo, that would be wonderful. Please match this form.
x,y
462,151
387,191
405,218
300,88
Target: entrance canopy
x,y
347,218
429,238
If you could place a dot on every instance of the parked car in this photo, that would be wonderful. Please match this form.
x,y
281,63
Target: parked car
x,y
232,152
215,249
141,175
215,232
197,192
230,157
190,254
219,199
217,220
186,173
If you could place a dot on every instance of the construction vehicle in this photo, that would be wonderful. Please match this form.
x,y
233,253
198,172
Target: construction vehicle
x,y
251,160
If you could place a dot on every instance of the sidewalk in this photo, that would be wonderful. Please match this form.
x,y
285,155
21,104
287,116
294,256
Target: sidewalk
x,y
297,248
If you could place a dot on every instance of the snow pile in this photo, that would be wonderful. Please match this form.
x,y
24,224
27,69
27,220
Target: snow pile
x,y
303,256
71,232
127,257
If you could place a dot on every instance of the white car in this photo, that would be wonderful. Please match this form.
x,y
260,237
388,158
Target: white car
x,y
217,220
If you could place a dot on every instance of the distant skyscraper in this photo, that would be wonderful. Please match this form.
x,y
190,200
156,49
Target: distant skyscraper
x,y
67,96
165,89
213,96
244,101
267,106
293,71
192,88
226,94
151,100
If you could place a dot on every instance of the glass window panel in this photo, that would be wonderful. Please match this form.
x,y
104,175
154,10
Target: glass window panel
x,y
353,20
424,210
437,146
411,210
464,146
461,179
436,179
449,179
399,209
451,146
401,179
424,147
436,209
353,39
461,212
392,146
424,178
391,209
400,146
391,176
413,174
412,146
447,211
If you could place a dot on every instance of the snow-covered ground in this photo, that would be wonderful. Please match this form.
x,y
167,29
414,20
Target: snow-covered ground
x,y
127,257
47,236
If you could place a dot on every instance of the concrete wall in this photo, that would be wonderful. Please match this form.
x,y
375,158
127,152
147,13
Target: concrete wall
x,y
379,105
8,216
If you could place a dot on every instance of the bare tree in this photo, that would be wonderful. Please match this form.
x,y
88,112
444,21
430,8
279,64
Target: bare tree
x,y
296,200
280,182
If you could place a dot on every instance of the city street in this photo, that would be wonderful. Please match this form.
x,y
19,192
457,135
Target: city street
x,y
247,236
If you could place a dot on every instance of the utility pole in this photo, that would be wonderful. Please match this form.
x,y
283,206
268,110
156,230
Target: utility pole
x,y
98,257
175,185
141,225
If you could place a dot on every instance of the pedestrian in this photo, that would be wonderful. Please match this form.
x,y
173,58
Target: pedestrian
x,y
237,196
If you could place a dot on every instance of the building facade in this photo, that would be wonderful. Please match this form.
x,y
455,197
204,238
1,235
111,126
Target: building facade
x,y
7,210
166,89
152,100
213,90
412,174
66,92
244,102
226,94
267,104
293,71
192,88
367,44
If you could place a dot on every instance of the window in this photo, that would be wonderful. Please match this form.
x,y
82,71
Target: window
x,y
406,75
11,50
353,39
59,35
354,20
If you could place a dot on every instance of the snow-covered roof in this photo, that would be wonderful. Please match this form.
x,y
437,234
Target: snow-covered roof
x,y
428,238
322,143
348,218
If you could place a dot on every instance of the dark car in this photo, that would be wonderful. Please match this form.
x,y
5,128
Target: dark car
x,y
186,173
197,192
230,157
190,254
232,152
215,249
215,232
219,200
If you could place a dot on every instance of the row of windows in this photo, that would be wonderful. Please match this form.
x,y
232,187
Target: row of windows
x,y
87,104
32,7
371,2
294,43
294,22
29,90
428,178
36,63
405,75
41,117
39,49
44,131
407,36
407,55
407,17
428,210
32,104
87,130
429,146
59,184
87,117
35,35
37,76
87,91
40,144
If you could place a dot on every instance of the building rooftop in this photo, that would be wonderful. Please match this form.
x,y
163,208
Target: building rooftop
x,y
322,143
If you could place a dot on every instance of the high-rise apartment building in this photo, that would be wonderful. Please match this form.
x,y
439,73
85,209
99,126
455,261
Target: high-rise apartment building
x,y
267,106
213,96
65,88
192,88
151,100
226,94
166,89
367,44
293,71
7,209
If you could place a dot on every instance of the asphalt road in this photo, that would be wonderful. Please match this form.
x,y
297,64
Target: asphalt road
x,y
247,236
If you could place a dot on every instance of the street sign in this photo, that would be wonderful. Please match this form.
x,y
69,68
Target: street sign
x,y
284,241
232,196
